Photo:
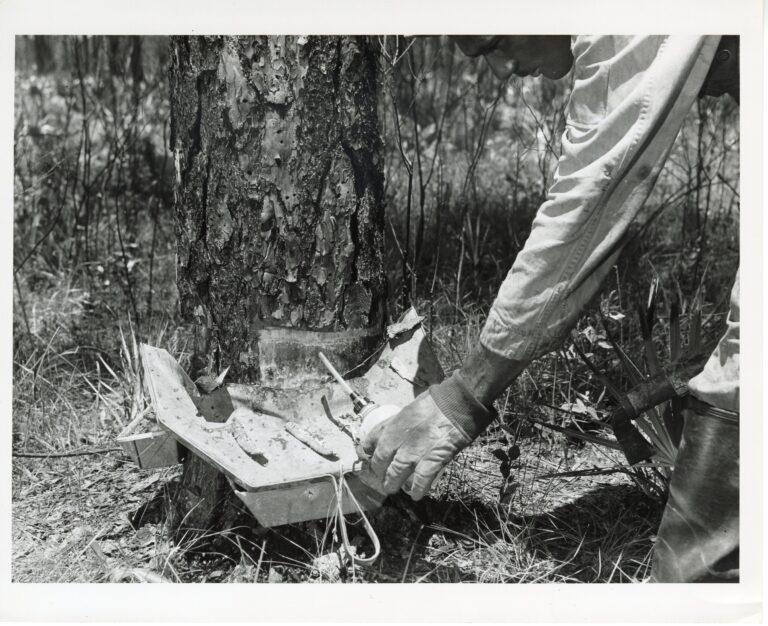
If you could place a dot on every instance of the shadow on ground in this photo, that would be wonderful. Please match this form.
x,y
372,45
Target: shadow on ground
x,y
603,536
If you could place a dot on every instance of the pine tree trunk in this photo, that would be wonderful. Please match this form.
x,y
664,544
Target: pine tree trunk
x,y
43,55
279,210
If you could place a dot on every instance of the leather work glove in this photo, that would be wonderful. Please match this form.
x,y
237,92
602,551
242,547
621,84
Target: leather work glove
x,y
425,436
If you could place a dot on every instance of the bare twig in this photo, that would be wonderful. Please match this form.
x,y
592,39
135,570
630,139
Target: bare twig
x,y
56,455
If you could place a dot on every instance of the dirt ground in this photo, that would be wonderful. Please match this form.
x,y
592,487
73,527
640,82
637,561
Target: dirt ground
x,y
98,518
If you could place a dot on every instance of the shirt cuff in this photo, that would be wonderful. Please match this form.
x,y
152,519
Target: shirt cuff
x,y
460,407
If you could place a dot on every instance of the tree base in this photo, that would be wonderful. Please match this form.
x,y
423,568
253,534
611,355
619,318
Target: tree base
x,y
204,505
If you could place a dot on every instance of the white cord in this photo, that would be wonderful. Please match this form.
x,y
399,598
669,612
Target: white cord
x,y
340,484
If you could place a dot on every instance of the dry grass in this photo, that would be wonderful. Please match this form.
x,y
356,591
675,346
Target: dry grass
x,y
71,523
98,518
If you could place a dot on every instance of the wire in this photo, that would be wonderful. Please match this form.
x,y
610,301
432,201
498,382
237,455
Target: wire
x,y
340,484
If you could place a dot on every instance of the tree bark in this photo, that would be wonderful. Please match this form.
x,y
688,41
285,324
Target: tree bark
x,y
43,55
279,206
279,188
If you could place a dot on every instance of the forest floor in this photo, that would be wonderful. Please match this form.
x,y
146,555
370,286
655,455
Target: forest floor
x,y
97,517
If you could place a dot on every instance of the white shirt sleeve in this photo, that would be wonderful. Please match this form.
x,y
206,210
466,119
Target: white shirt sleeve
x,y
630,97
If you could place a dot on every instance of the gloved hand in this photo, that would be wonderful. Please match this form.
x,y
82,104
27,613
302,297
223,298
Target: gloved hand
x,y
425,436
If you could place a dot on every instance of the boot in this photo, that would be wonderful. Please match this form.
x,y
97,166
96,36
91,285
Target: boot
x,y
698,540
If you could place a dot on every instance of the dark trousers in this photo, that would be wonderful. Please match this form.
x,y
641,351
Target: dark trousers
x,y
698,540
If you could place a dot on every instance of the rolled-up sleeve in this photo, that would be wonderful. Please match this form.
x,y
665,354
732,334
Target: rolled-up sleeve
x,y
629,99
